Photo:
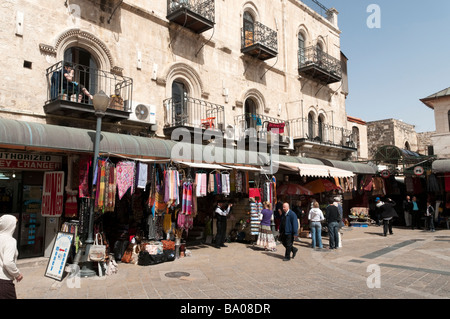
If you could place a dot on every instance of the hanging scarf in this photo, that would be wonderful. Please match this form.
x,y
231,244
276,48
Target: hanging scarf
x,y
225,178
85,166
187,199
141,173
125,177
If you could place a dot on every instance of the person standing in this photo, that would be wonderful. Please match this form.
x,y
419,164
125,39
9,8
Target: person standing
x,y
315,216
415,216
288,229
407,208
266,239
387,214
332,216
429,215
222,212
8,258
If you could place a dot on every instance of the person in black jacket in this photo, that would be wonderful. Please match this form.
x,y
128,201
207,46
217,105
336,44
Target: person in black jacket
x,y
332,217
387,214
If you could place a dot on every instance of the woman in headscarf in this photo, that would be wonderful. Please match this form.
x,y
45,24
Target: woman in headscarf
x,y
8,258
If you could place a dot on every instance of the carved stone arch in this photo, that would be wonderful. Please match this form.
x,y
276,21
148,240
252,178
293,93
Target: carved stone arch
x,y
303,30
251,8
321,41
89,42
257,97
189,76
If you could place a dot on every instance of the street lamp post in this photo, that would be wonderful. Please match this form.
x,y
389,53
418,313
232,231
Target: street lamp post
x,y
100,102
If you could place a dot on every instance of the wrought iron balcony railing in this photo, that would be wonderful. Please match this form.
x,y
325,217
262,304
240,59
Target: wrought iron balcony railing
x,y
197,15
260,41
317,7
258,125
307,131
320,65
83,83
193,113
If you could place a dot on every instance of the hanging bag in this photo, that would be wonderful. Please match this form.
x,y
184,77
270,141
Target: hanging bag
x,y
98,250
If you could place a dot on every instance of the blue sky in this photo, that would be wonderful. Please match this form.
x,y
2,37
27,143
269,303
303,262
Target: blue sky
x,y
392,67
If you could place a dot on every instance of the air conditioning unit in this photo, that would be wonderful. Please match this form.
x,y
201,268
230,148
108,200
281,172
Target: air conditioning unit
x,y
143,113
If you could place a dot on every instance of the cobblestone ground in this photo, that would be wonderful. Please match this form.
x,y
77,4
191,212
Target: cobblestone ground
x,y
411,264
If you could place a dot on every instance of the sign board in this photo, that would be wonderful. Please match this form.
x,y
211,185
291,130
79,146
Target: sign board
x,y
53,194
59,255
30,162
385,173
418,170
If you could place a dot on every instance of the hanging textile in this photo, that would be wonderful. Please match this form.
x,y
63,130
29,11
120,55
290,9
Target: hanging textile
x,y
71,207
409,184
255,210
225,178
254,193
171,186
433,185
185,222
187,201
125,177
238,182
378,186
85,167
141,175
111,191
447,182
218,183
100,184
201,184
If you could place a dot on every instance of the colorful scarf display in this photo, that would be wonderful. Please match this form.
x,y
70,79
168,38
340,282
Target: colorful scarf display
x,y
187,201
125,177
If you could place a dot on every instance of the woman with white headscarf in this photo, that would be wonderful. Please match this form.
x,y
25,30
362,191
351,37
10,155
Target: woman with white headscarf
x,y
8,258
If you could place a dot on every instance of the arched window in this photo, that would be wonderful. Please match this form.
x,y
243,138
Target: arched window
x,y
179,103
85,67
310,126
301,49
448,121
407,146
251,116
249,29
321,127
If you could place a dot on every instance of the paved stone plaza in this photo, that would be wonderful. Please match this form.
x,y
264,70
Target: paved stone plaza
x,y
411,264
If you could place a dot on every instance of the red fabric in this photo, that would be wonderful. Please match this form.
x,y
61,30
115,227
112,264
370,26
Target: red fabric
x,y
254,193
447,182
279,126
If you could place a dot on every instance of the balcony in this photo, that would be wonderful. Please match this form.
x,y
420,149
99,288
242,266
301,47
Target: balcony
x,y
258,125
318,65
190,113
321,136
196,15
260,42
74,98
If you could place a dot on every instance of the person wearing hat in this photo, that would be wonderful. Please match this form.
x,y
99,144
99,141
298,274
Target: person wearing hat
x,y
387,214
378,204
221,213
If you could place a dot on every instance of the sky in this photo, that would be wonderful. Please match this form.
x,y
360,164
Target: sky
x,y
403,57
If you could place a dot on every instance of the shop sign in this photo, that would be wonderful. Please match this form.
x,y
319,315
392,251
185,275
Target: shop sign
x,y
29,162
418,170
58,258
53,194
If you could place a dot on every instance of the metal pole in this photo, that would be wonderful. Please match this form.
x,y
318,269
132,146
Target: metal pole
x,y
87,269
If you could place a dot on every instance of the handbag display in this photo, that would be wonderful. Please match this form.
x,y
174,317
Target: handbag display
x,y
98,250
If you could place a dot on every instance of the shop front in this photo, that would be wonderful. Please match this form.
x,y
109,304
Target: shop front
x,y
21,193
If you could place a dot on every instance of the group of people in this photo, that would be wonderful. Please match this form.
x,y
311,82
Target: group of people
x,y
385,211
288,226
413,215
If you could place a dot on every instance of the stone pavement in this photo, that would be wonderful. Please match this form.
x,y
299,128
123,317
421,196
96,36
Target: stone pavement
x,y
411,264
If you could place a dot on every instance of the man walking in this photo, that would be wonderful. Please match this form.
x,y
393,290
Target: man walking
x,y
407,208
288,230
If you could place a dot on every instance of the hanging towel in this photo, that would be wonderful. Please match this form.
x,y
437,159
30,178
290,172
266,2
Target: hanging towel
x,y
85,166
142,169
225,183
125,177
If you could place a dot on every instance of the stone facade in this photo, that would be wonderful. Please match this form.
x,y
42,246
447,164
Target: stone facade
x,y
134,38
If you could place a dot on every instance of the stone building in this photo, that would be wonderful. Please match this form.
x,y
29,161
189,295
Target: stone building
x,y
440,103
243,68
235,65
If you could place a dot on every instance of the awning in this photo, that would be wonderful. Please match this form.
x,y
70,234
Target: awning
x,y
313,170
203,165
243,168
441,166
357,168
